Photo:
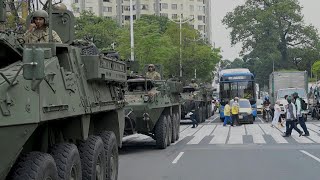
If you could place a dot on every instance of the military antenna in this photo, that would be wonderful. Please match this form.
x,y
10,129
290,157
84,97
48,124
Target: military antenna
x,y
50,21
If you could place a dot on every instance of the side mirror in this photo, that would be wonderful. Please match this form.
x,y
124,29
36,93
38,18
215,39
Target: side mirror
x,y
33,63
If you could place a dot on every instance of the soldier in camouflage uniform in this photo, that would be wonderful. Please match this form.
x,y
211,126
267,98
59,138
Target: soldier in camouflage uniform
x,y
194,84
38,30
152,73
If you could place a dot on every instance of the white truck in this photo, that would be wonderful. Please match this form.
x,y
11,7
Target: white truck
x,y
283,83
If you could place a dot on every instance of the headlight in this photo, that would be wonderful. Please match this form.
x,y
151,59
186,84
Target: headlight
x,y
146,98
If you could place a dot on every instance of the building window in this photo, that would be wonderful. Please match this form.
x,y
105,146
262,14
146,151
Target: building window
x,y
107,9
181,6
106,0
191,8
164,14
174,16
174,6
200,18
200,27
76,1
164,6
144,7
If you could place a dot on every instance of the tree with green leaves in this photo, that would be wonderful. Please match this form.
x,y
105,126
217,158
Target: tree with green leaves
x,y
270,24
99,30
273,32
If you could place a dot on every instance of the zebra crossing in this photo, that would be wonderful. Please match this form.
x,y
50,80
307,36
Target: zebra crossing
x,y
219,135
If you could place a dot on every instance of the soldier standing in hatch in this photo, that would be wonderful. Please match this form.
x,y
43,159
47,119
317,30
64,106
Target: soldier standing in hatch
x,y
152,73
194,84
38,31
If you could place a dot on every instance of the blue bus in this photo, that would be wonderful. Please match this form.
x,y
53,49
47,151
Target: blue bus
x,y
237,83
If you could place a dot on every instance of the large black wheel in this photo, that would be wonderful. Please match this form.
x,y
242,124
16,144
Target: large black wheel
x,y
161,132
111,151
169,130
34,166
174,128
93,159
178,127
68,161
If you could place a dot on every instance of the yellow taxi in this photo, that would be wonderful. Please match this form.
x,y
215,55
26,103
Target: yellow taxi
x,y
245,111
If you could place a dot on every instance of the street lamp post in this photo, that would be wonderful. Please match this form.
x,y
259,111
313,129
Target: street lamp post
x,y
180,44
131,31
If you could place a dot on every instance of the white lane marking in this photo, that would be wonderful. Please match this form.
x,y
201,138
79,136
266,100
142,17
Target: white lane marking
x,y
220,135
260,119
313,128
183,127
203,132
177,158
236,134
275,133
310,155
256,132
130,137
188,132
213,120
301,139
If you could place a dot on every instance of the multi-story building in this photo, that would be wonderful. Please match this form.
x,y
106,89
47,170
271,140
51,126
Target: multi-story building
x,y
197,10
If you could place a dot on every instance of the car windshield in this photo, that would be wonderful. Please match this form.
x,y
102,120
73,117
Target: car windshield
x,y
243,103
283,92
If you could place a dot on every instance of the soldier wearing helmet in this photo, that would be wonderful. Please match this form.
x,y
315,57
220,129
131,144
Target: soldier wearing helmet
x,y
38,31
194,84
152,73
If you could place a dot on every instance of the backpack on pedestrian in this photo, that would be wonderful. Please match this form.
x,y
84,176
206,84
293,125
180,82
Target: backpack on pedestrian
x,y
304,105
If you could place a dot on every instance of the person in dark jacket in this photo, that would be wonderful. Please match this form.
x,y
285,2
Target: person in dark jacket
x,y
193,115
300,117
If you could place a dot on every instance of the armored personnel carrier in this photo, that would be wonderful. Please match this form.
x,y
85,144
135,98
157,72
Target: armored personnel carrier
x,y
203,100
61,108
153,109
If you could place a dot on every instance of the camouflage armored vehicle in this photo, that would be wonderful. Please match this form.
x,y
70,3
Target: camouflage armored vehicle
x,y
61,109
153,109
203,99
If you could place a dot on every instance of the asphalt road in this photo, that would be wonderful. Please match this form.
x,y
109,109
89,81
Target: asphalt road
x,y
211,151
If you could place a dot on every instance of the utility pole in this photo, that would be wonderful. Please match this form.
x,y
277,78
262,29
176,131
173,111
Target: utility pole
x,y
180,23
180,43
131,31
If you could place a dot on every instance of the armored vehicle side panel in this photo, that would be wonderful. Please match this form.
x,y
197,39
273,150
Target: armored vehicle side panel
x,y
52,100
153,108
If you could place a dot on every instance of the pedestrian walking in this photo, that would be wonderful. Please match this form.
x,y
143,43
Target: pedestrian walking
x,y
227,113
291,117
193,114
277,113
300,117
235,111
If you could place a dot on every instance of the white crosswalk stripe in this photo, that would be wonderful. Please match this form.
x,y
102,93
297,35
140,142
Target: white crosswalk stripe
x,y
257,134
219,135
203,132
236,134
274,132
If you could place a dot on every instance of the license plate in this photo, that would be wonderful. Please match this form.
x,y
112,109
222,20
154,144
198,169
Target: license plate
x,y
240,117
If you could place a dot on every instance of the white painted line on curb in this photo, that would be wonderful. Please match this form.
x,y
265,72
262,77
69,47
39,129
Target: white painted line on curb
x,y
310,155
177,158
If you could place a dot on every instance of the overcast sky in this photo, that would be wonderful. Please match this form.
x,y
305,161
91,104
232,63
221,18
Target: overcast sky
x,y
221,34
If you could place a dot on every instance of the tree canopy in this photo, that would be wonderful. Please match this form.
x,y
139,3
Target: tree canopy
x,y
273,31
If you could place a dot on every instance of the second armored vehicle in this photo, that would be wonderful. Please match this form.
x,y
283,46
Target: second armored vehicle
x,y
203,100
153,109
